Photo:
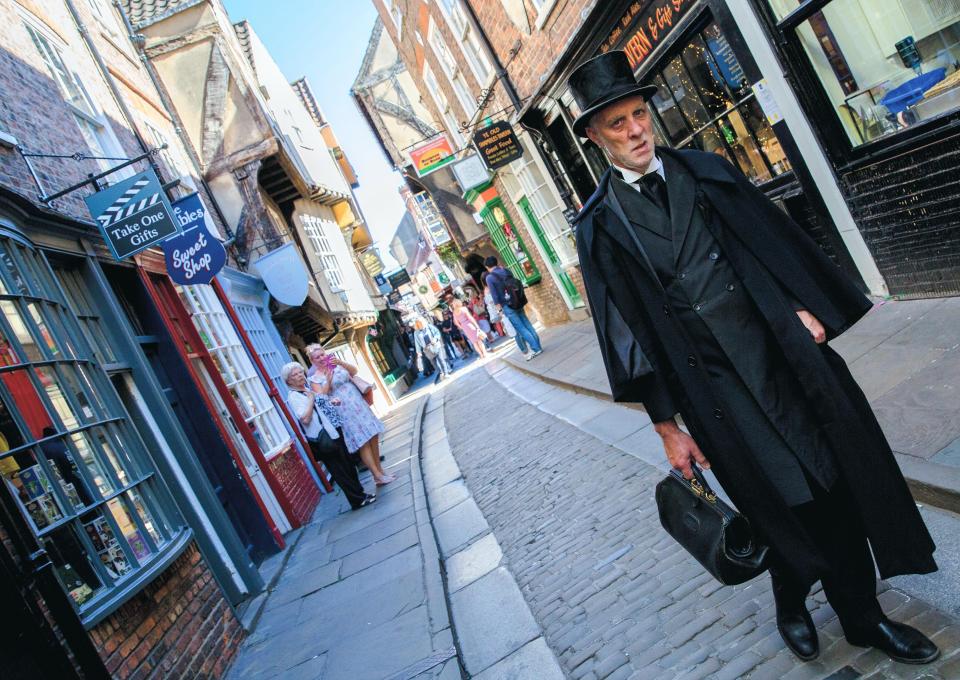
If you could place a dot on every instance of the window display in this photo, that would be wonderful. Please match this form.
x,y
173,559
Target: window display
x,y
886,65
68,456
704,102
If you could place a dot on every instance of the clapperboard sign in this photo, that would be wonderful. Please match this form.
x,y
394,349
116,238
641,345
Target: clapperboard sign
x,y
133,214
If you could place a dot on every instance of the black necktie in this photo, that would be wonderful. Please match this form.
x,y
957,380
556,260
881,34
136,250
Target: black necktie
x,y
655,188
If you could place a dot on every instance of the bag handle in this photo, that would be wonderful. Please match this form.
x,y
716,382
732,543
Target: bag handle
x,y
698,485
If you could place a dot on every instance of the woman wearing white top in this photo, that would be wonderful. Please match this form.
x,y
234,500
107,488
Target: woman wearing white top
x,y
316,412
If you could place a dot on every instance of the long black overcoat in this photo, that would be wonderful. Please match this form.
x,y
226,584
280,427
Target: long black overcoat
x,y
645,353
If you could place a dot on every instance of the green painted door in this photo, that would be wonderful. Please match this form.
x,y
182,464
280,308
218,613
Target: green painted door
x,y
570,290
506,239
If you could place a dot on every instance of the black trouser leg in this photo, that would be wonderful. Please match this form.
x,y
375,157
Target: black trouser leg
x,y
343,471
851,583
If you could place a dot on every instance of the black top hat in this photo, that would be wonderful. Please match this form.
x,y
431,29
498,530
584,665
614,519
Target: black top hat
x,y
601,81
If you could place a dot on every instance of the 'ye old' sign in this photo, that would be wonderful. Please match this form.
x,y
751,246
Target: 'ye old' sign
x,y
195,256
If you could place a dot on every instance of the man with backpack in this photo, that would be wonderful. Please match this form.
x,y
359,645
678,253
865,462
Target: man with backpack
x,y
508,296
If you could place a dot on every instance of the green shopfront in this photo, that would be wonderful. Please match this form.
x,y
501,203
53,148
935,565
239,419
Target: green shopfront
x,y
103,494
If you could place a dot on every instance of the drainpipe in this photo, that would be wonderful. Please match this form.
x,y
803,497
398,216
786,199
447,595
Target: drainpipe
x,y
165,100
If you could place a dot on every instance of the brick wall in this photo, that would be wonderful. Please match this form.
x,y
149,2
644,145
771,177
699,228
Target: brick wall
x,y
540,48
297,484
178,626
34,111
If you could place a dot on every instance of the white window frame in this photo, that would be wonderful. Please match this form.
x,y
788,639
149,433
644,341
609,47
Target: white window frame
x,y
397,14
93,126
316,229
543,7
452,70
468,41
236,368
545,201
169,155
443,106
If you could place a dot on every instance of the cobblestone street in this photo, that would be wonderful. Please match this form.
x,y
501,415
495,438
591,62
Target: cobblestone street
x,y
615,596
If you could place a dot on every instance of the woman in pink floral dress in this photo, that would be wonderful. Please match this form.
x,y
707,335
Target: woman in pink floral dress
x,y
468,326
361,428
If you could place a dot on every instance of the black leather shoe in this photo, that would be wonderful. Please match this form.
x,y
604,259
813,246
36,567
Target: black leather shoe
x,y
795,625
898,641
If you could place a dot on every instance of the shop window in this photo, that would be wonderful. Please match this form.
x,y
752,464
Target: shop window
x,y
256,329
68,455
235,368
885,65
703,101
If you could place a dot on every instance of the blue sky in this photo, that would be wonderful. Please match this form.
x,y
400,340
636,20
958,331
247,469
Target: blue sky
x,y
325,40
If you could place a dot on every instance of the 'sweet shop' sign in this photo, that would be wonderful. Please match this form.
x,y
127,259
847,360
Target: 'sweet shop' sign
x,y
195,256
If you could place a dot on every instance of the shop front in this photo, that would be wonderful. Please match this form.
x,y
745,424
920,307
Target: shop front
x,y
879,81
709,98
511,250
106,519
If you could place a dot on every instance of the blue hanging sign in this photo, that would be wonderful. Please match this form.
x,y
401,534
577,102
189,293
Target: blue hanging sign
x,y
133,214
195,256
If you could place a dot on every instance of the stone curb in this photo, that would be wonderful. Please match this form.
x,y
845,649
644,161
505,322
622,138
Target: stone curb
x,y
494,630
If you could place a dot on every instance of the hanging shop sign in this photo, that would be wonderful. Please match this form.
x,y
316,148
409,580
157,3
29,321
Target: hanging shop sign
x,y
497,145
394,297
438,233
644,26
432,156
195,256
284,274
470,172
133,214
399,278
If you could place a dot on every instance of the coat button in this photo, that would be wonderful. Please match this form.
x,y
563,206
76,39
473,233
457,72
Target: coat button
x,y
683,275
714,255
718,414
666,310
691,360
697,307
730,286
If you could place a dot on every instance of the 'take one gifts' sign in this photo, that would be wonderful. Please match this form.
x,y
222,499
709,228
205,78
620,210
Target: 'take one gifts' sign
x,y
195,256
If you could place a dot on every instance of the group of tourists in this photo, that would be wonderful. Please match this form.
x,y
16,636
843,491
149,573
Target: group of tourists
x,y
330,401
469,327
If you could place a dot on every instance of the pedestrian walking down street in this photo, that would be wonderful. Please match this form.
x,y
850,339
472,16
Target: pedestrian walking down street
x,y
317,414
468,325
711,303
446,328
492,312
502,283
428,341
361,428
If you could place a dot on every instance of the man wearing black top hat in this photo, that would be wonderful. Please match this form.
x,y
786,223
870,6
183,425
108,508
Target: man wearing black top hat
x,y
711,304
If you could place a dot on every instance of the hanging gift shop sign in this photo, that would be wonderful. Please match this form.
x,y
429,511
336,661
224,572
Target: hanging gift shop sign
x,y
195,256
432,156
133,214
497,145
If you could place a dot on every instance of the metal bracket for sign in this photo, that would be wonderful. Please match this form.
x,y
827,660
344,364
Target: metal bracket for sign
x,y
92,178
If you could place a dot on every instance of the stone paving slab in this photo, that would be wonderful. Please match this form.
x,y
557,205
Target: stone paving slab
x,y
363,595
466,566
615,596
493,620
458,526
